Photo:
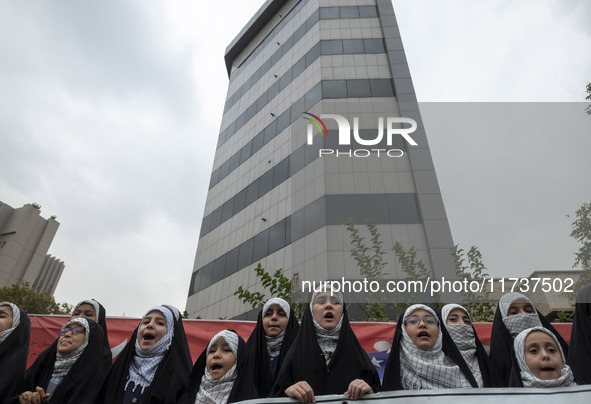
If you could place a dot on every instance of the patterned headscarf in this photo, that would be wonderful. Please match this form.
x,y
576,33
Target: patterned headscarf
x,y
64,362
93,303
427,369
527,377
327,339
144,364
218,391
519,322
274,343
464,338
16,317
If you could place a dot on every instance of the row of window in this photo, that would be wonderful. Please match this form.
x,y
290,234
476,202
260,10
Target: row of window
x,y
369,45
327,47
325,13
326,89
285,169
327,210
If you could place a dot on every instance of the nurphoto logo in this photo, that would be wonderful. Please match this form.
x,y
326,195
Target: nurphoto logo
x,y
393,127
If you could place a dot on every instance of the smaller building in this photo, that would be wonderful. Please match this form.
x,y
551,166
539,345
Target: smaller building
x,y
25,238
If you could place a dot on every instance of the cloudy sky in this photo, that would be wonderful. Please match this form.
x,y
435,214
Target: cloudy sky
x,y
110,111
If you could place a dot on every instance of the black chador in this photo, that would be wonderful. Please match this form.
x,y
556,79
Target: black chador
x,y
579,354
14,350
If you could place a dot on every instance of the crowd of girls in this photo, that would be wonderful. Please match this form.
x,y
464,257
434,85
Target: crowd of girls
x,y
430,350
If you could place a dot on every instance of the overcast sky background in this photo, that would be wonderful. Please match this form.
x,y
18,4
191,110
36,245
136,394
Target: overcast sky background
x,y
110,112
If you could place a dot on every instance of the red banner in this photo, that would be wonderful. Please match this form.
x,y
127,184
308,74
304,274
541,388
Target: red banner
x,y
374,337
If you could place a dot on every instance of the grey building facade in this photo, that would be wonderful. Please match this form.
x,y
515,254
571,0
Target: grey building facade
x,y
25,238
276,199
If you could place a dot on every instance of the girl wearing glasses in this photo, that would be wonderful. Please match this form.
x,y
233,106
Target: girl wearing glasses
x,y
15,332
68,371
417,360
326,357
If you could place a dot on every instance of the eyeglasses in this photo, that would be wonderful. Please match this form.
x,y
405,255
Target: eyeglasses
x,y
415,320
75,330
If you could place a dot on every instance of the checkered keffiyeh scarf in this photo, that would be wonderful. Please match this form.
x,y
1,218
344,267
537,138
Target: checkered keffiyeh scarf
x,y
327,339
430,369
527,377
93,303
519,322
63,363
144,364
274,343
464,338
16,316
218,391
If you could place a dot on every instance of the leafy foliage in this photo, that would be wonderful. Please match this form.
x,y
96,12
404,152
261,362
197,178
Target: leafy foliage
x,y
277,284
469,266
564,317
34,303
371,263
581,231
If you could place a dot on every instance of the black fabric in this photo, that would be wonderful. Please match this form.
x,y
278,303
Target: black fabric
x,y
14,352
579,355
243,388
81,383
102,321
169,381
514,372
259,358
305,362
490,375
501,345
392,380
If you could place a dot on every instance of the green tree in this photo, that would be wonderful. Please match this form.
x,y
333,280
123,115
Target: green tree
x,y
34,303
277,284
588,98
470,267
581,231
371,263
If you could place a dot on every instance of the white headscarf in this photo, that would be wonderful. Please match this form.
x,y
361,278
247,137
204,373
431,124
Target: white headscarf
x,y
427,369
93,303
63,363
527,377
16,318
327,339
218,391
144,364
274,343
464,338
519,322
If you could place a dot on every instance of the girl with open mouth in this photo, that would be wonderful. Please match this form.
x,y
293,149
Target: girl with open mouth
x,y
326,357
15,333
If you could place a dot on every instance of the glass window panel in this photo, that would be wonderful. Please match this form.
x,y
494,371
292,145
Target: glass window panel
x,y
358,88
261,246
280,172
312,54
252,192
265,183
245,254
374,45
231,262
340,208
299,67
215,177
381,88
334,89
205,225
234,161
218,269
224,170
240,201
270,132
314,215
245,152
402,209
297,225
372,207
216,218
257,143
329,13
331,47
206,273
349,12
227,210
368,12
352,46
283,121
285,80
277,236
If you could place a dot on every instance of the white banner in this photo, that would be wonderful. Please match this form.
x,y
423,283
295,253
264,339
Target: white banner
x,y
567,395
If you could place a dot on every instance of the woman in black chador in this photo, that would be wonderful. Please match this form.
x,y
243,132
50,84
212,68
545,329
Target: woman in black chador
x,y
154,365
422,358
93,310
276,329
222,373
69,371
579,353
514,314
15,333
457,323
326,357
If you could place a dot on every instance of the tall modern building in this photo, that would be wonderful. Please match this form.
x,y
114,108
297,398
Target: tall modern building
x,y
288,172
25,238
